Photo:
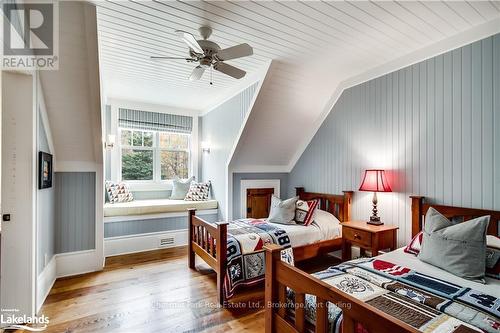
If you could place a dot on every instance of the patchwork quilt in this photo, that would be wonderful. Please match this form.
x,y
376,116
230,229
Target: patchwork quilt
x,y
427,303
245,253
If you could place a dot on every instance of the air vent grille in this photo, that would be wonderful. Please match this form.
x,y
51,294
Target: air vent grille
x,y
169,241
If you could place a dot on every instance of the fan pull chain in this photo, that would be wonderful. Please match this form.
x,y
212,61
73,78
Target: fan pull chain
x,y
211,71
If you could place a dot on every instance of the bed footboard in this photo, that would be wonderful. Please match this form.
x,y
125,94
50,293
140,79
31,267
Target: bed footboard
x,y
209,241
280,275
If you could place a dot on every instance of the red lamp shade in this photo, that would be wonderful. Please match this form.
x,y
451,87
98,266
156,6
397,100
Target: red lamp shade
x,y
375,181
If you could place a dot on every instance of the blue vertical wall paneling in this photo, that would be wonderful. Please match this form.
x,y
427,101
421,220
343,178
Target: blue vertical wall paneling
x,y
220,127
435,126
75,211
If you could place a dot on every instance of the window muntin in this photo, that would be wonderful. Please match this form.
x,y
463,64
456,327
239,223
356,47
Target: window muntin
x,y
154,156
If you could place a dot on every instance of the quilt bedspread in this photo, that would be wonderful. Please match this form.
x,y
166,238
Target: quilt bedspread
x,y
245,253
424,302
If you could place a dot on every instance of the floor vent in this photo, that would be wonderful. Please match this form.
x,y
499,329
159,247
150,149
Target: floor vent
x,y
169,241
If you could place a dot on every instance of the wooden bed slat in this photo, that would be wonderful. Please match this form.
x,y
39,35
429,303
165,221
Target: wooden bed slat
x,y
300,315
321,315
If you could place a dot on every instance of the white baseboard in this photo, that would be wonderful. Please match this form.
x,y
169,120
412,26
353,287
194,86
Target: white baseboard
x,y
45,281
144,242
74,263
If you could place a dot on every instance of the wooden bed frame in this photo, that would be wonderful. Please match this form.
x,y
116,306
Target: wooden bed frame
x,y
280,275
209,240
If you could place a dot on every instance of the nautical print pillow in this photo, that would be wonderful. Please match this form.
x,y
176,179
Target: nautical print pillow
x,y
305,211
118,192
198,191
415,245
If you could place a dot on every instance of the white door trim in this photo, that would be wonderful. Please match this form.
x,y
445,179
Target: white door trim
x,y
256,183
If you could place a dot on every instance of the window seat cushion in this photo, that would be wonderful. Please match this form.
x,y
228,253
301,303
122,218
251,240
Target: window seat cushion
x,y
142,207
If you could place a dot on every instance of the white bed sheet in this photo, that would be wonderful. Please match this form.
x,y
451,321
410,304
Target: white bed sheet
x,y
399,257
301,235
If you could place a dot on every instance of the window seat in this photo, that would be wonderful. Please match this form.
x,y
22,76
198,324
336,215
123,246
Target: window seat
x,y
156,206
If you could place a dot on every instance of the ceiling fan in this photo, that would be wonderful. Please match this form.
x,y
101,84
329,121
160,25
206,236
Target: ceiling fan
x,y
209,55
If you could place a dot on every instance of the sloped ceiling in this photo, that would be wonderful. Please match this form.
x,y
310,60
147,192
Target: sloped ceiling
x,y
131,32
72,93
314,46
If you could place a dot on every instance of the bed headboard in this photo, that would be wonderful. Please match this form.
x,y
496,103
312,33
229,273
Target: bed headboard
x,y
337,204
419,208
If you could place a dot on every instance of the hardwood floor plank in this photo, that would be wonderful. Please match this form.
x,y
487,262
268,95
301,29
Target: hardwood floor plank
x,y
152,292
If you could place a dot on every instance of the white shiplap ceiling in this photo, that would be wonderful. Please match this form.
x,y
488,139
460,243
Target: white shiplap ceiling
x,y
314,46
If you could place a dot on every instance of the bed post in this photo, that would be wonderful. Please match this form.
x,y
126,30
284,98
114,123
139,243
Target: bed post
x,y
273,253
299,191
347,205
191,254
416,214
221,253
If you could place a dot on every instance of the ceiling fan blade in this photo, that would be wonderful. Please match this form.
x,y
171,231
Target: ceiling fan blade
x,y
190,41
171,58
197,73
229,70
238,51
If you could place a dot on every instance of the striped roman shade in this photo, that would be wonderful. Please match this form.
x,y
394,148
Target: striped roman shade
x,y
154,121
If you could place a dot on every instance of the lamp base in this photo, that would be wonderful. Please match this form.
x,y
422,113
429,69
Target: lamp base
x,y
375,220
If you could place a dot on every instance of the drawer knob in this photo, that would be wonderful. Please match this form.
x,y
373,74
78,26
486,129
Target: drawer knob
x,y
356,236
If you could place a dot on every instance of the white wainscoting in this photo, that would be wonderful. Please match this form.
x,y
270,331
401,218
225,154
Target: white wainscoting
x,y
256,183
145,242
45,281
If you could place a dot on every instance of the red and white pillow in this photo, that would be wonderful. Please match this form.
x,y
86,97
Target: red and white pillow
x,y
415,245
305,211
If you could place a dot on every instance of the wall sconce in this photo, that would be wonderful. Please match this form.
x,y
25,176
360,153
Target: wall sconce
x,y
110,141
205,147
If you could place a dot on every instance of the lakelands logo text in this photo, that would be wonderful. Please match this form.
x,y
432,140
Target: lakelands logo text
x,y
30,35
27,323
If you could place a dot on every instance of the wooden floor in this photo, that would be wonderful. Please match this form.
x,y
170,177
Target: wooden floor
x,y
152,292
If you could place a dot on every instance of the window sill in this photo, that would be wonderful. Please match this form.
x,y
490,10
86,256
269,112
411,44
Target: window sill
x,y
149,186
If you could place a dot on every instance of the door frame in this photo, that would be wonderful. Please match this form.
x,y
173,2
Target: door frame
x,y
256,183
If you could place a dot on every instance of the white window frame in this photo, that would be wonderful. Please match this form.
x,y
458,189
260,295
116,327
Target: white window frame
x,y
156,182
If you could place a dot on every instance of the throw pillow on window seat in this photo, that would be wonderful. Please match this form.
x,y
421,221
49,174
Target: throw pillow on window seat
x,y
180,188
118,192
198,191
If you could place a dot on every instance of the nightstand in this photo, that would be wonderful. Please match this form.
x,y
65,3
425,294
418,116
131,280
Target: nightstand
x,y
367,237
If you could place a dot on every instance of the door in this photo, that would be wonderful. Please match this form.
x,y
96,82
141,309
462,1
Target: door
x,y
259,202
18,176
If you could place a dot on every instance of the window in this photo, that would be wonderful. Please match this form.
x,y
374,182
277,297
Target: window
x,y
154,156
174,155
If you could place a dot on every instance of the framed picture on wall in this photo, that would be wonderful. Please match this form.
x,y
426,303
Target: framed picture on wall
x,y
44,170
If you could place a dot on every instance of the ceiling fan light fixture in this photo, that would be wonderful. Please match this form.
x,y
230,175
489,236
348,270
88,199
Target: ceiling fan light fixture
x,y
208,54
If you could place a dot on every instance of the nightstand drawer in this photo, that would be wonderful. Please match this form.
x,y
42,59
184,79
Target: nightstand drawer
x,y
361,237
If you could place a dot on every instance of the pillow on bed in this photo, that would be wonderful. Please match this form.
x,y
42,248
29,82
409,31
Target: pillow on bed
x,y
415,245
305,211
455,248
282,211
493,257
180,188
324,219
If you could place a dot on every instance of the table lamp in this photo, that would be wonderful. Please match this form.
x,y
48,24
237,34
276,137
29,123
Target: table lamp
x,y
375,181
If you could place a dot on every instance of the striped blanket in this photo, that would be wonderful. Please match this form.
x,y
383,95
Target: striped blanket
x,y
245,254
424,302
